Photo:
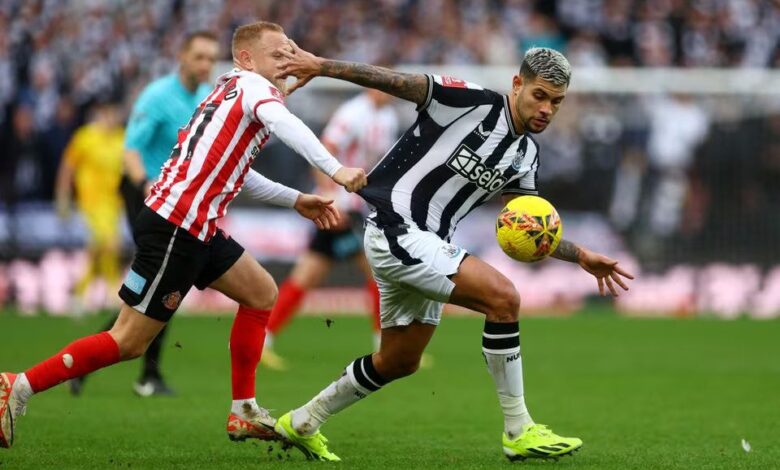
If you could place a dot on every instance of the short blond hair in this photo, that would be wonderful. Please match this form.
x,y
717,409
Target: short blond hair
x,y
250,32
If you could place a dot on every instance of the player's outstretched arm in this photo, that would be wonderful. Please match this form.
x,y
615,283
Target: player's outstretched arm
x,y
604,268
304,66
316,208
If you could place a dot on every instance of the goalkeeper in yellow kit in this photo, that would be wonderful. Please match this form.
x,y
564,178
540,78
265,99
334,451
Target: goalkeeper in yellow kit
x,y
92,164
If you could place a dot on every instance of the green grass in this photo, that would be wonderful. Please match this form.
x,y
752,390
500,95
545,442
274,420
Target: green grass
x,y
640,393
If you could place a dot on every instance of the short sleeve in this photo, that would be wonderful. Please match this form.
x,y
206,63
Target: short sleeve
x,y
143,123
454,93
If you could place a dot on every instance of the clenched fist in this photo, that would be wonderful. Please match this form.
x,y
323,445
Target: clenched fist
x,y
353,179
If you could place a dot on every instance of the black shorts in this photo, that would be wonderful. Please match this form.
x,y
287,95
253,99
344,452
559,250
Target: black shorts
x,y
133,197
169,261
339,244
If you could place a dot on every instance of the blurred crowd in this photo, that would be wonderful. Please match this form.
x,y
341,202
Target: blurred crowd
x,y
58,58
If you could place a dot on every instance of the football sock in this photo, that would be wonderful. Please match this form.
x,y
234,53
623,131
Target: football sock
x,y
151,368
373,296
501,348
290,297
246,408
80,357
246,346
359,379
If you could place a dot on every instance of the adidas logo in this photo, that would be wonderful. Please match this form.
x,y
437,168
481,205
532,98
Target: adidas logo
x,y
468,164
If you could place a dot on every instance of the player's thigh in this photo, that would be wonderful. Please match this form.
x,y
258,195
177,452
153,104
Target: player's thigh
x,y
480,287
133,332
247,283
310,269
167,263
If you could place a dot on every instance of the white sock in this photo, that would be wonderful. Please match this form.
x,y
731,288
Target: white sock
x,y
358,381
246,408
501,348
269,340
22,388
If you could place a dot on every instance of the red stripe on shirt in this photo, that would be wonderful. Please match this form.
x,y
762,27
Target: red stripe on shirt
x,y
219,185
214,152
239,183
162,189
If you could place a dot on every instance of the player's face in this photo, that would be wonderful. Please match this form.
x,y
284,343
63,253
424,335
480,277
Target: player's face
x,y
265,55
198,59
537,101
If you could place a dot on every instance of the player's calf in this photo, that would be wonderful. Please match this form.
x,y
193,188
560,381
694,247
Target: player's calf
x,y
393,367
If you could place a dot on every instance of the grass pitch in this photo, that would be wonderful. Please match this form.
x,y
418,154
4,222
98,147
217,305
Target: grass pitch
x,y
640,393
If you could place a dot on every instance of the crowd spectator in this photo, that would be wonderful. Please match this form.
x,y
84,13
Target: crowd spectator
x,y
58,58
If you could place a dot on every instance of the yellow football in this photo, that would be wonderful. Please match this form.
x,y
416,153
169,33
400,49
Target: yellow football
x,y
529,229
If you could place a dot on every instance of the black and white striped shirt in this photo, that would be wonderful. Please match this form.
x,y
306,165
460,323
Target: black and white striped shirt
x,y
462,150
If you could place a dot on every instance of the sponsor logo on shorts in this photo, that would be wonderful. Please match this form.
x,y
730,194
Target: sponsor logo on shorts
x,y
172,300
451,250
135,282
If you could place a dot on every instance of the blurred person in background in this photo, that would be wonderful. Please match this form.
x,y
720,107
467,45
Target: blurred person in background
x,y
159,113
92,163
359,133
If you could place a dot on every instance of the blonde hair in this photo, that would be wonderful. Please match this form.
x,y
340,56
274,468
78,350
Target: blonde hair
x,y
250,32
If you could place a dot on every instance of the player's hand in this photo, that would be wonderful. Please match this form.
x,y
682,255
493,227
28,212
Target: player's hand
x,y
299,64
318,209
353,179
606,271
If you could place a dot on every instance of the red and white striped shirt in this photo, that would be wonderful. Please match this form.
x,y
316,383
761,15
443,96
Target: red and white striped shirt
x,y
361,133
214,152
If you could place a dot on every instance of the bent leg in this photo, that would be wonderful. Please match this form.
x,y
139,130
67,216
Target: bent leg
x,y
127,339
254,289
481,287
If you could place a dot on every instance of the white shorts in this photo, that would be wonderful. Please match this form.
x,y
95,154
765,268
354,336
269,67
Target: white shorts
x,y
412,272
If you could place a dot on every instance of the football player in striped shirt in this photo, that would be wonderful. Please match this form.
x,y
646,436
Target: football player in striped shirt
x,y
180,245
467,145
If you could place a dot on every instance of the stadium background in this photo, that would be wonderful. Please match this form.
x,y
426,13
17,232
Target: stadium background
x,y
676,174
665,155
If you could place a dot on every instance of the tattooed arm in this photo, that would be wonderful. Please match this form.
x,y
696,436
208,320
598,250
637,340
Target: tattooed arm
x,y
567,251
305,66
606,270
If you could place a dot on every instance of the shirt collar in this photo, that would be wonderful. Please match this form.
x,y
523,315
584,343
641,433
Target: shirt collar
x,y
509,122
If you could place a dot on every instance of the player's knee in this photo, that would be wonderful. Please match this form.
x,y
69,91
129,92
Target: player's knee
x,y
262,299
130,348
504,305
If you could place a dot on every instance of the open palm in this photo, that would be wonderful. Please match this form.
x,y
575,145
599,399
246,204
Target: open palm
x,y
606,271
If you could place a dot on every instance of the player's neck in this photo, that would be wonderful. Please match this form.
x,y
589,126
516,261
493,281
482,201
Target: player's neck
x,y
517,123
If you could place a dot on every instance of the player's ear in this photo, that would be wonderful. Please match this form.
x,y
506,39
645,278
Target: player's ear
x,y
517,83
245,58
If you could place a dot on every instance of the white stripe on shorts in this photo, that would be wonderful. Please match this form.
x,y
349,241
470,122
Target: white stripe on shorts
x,y
148,297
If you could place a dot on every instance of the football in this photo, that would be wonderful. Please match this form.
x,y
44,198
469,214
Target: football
x,y
529,229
